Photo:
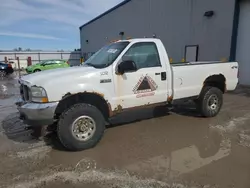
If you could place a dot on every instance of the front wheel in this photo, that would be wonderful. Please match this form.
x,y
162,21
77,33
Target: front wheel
x,y
210,101
37,70
81,127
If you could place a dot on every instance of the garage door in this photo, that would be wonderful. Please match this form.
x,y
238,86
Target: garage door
x,y
243,43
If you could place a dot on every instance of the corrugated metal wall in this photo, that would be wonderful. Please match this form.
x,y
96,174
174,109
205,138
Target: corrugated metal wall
x,y
177,22
243,43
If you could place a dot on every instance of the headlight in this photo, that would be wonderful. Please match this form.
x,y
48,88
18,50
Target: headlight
x,y
38,94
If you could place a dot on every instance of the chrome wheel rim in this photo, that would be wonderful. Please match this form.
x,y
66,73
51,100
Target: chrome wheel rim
x,y
213,102
83,128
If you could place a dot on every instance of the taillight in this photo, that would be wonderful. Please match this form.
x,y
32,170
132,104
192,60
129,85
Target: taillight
x,y
9,65
68,62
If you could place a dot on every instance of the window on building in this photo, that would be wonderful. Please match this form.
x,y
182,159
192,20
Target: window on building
x,y
191,53
144,54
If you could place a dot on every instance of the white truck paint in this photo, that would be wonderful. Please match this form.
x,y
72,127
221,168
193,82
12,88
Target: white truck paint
x,y
188,80
120,76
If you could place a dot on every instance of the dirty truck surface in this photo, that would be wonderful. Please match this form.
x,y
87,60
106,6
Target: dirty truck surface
x,y
149,148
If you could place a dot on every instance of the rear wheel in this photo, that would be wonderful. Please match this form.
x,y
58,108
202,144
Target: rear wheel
x,y
81,127
210,101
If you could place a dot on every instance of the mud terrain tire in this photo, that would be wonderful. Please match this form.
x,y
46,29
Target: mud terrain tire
x,y
210,101
67,130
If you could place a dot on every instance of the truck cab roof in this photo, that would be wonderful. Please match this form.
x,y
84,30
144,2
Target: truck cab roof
x,y
141,40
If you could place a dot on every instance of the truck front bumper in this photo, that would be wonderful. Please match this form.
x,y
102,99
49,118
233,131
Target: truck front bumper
x,y
37,114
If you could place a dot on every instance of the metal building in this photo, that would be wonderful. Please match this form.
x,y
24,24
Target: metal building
x,y
191,30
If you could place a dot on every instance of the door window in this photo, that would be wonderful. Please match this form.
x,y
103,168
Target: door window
x,y
59,62
48,63
144,54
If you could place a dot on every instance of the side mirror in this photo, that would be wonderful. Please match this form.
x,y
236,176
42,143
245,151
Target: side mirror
x,y
127,66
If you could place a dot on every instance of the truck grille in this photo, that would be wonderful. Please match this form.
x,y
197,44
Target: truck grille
x,y
25,92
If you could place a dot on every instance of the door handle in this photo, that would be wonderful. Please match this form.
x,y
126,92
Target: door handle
x,y
163,76
157,73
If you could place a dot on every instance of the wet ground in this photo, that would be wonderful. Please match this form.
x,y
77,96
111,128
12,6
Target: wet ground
x,y
149,148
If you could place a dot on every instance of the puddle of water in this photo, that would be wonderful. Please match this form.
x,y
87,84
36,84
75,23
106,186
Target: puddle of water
x,y
13,127
8,89
179,162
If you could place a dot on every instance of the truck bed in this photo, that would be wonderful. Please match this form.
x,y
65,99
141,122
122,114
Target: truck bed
x,y
188,78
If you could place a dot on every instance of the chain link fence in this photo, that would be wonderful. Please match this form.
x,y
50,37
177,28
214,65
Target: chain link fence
x,y
20,60
74,58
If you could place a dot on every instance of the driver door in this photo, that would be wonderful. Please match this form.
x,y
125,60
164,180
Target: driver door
x,y
142,86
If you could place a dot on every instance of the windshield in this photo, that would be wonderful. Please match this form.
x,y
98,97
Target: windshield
x,y
106,55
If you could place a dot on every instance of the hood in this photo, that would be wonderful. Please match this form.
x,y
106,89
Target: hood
x,y
43,77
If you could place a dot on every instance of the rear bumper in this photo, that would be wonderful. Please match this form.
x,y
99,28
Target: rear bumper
x,y
37,114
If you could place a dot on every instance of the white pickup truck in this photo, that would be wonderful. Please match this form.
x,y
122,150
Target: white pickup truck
x,y
121,76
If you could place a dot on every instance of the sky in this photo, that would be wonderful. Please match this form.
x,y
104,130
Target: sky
x,y
47,24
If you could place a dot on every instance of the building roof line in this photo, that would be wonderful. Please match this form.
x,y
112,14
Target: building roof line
x,y
105,13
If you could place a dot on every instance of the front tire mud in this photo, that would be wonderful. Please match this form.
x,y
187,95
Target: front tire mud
x,y
73,131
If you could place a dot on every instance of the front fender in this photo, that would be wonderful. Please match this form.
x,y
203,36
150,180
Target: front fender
x,y
59,93
35,67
